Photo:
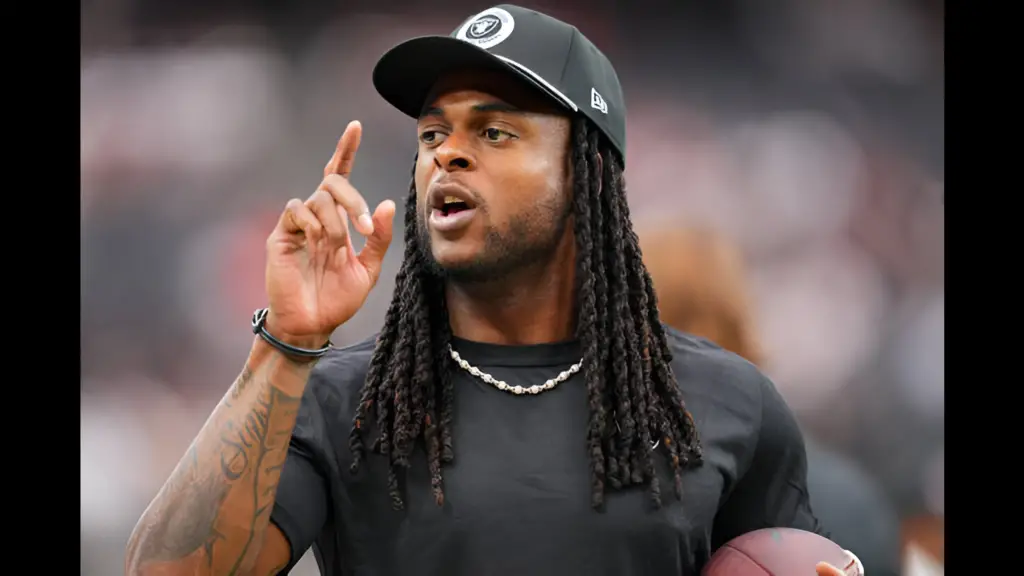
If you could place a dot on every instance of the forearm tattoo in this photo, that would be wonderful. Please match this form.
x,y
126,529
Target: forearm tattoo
x,y
214,510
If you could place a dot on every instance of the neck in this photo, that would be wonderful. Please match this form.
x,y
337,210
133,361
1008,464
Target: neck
x,y
533,305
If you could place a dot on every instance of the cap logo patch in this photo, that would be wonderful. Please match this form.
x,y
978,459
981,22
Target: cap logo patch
x,y
488,28
597,101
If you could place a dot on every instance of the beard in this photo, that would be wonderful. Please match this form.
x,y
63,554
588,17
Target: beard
x,y
530,236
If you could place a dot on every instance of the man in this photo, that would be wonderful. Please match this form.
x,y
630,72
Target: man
x,y
529,414
702,289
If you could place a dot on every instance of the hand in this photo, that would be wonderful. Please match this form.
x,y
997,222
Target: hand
x,y
852,568
315,279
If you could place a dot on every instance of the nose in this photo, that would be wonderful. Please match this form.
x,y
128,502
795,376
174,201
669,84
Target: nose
x,y
453,155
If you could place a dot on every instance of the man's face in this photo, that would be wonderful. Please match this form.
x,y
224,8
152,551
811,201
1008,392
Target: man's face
x,y
492,177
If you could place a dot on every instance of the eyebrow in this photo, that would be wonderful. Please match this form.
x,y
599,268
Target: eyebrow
x,y
479,108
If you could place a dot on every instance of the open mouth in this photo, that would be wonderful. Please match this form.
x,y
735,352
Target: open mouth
x,y
451,210
452,205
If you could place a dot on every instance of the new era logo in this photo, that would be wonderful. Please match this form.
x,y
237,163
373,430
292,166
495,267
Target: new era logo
x,y
597,101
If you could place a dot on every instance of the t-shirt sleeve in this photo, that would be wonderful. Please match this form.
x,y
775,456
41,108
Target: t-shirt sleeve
x,y
302,503
772,493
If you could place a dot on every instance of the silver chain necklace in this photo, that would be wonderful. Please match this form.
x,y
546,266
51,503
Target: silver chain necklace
x,y
518,390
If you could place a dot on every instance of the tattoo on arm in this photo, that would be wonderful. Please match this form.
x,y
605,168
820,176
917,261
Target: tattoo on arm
x,y
214,510
189,521
252,453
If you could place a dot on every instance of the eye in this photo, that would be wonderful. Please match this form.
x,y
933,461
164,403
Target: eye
x,y
497,135
431,137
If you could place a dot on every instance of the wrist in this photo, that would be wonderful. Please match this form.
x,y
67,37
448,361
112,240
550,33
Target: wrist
x,y
301,354
306,341
287,374
263,350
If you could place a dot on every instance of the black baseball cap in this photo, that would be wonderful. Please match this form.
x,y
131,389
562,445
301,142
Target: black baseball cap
x,y
546,52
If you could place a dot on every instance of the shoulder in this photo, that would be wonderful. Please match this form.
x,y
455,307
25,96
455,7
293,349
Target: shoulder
x,y
344,366
708,372
335,383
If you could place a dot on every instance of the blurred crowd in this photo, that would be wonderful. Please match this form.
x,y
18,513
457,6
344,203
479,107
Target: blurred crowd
x,y
808,134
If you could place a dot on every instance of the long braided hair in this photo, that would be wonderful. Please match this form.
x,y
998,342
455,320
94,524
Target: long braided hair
x,y
635,403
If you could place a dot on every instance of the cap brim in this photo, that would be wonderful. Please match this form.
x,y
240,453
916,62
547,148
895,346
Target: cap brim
x,y
405,75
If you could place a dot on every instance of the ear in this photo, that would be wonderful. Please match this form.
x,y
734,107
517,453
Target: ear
x,y
600,171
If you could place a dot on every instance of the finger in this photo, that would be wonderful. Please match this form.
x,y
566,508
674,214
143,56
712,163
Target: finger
x,y
372,254
321,203
351,200
826,569
344,158
297,218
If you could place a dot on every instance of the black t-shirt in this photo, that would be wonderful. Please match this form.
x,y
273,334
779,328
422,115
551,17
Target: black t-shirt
x,y
517,497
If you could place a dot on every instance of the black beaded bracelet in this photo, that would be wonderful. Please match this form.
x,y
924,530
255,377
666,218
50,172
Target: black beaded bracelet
x,y
259,318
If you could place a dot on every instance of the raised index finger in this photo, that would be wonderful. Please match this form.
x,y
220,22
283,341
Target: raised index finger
x,y
344,157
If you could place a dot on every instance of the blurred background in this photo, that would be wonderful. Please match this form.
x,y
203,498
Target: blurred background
x,y
807,133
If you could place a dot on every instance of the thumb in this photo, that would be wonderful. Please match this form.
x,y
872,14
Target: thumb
x,y
372,254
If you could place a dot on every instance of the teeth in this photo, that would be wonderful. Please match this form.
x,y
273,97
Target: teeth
x,y
451,200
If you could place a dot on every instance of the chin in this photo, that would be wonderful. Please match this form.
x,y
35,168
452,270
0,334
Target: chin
x,y
451,257
467,267
465,258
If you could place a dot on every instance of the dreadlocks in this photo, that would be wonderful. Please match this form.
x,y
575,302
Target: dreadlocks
x,y
635,404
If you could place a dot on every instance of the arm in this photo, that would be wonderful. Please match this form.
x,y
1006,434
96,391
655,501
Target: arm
x,y
212,515
773,491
